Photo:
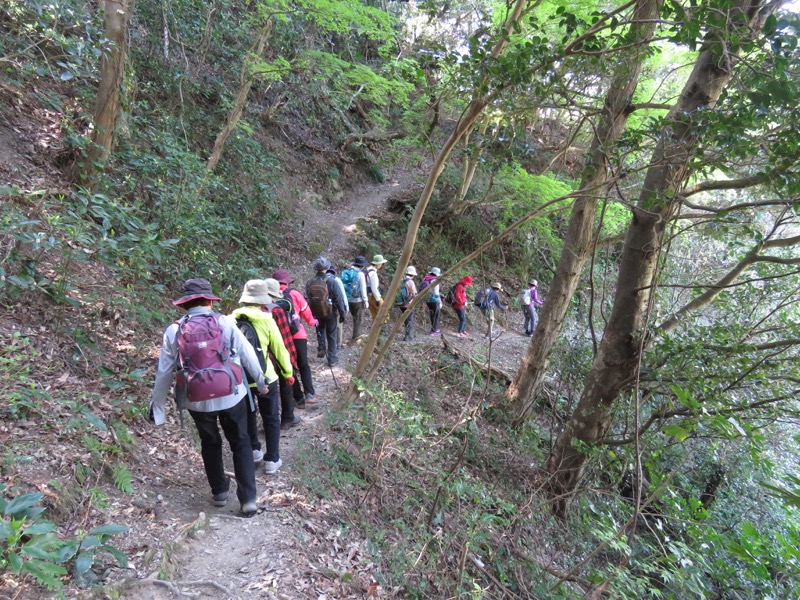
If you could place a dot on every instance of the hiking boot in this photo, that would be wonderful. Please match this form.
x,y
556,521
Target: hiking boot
x,y
293,423
248,509
221,499
270,467
311,399
321,352
300,404
258,455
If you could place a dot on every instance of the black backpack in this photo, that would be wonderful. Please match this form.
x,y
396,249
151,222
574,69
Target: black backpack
x,y
286,304
450,296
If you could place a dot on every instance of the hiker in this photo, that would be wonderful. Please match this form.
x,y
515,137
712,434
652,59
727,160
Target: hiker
x,y
374,284
341,314
487,302
303,395
323,295
212,401
460,304
408,290
355,285
434,299
530,300
281,310
259,328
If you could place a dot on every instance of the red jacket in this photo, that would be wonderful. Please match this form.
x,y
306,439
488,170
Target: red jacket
x,y
460,292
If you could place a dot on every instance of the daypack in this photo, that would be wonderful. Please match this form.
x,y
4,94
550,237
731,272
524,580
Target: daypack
x,y
318,301
205,369
450,296
286,304
482,299
402,298
350,281
525,297
432,298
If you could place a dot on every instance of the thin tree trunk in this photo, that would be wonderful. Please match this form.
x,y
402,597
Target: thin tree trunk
x,y
470,165
616,362
465,124
245,85
116,15
578,242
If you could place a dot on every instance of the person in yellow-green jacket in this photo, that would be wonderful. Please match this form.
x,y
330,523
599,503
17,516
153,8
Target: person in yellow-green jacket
x,y
260,329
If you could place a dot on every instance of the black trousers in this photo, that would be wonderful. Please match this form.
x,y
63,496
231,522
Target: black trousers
x,y
269,406
305,372
234,425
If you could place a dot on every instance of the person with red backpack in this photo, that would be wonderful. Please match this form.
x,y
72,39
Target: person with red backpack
x,y
304,395
208,351
259,328
328,305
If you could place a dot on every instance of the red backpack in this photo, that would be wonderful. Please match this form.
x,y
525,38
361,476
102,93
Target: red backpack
x,y
204,353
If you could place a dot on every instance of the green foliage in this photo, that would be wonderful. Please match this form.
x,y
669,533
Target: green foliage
x,y
30,547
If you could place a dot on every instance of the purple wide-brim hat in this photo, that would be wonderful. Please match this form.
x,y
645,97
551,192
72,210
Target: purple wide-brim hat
x,y
193,289
282,275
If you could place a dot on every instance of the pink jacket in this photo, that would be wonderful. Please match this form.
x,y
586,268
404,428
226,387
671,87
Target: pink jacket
x,y
301,308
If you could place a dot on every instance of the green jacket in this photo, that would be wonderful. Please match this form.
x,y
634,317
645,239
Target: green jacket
x,y
271,341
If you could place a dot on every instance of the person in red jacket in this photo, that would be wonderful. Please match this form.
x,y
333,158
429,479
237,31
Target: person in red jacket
x,y
460,304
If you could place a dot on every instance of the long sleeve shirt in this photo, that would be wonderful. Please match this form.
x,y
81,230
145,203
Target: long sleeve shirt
x,y
360,292
460,293
535,300
340,303
374,284
242,353
302,308
493,299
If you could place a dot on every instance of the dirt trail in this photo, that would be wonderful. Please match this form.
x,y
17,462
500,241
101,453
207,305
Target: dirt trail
x,y
289,550
285,551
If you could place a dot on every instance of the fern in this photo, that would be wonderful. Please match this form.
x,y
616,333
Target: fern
x,y
123,479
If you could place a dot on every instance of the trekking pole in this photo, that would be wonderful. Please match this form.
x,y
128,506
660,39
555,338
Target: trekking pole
x,y
335,382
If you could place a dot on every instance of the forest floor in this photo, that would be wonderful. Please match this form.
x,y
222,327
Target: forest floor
x,y
292,547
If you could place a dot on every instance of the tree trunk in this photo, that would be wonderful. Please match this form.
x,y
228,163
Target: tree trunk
x,y
245,85
116,14
616,363
578,242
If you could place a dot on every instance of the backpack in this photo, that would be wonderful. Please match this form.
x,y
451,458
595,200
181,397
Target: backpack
x,y
402,298
205,369
482,299
433,298
525,297
318,300
286,304
450,296
350,281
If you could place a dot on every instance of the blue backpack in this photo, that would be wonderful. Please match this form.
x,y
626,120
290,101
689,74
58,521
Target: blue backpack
x,y
350,279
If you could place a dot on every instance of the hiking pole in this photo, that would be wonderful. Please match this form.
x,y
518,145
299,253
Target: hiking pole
x,y
335,382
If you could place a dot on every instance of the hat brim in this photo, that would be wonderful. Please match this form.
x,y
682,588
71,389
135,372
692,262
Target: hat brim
x,y
251,299
190,297
380,262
